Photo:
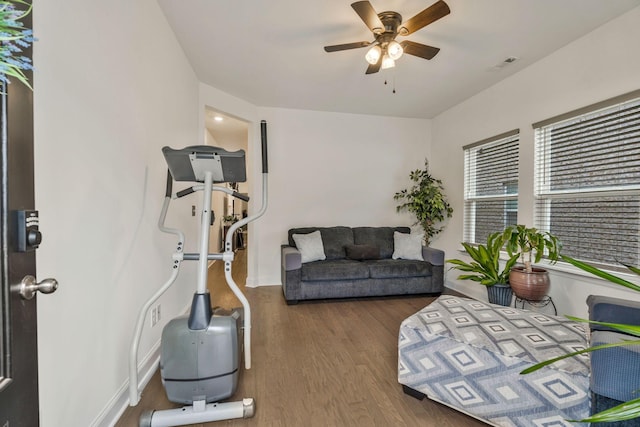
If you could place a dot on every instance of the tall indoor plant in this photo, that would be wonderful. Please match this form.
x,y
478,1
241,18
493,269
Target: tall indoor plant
x,y
530,244
485,268
426,200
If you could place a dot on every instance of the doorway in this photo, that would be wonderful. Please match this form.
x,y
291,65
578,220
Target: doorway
x,y
232,134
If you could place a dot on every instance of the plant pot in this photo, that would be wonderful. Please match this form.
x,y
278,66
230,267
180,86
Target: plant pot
x,y
532,286
500,294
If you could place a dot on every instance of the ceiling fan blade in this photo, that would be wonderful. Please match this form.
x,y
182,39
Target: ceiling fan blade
x,y
368,14
424,18
418,49
374,68
346,46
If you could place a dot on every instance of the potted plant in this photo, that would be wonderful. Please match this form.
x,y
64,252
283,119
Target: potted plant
x,y
426,200
485,268
528,282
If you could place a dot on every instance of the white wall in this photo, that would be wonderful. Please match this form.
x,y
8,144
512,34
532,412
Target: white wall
x,y
335,169
596,67
112,86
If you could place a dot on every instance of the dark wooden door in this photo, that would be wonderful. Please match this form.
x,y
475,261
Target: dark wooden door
x,y
18,322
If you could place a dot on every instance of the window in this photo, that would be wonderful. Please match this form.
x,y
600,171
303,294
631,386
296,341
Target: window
x,y
490,186
587,183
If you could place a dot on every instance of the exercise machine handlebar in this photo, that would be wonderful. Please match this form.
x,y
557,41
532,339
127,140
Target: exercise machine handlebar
x,y
263,135
195,188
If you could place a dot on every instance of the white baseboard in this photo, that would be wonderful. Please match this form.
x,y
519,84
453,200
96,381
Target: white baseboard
x,y
253,282
116,406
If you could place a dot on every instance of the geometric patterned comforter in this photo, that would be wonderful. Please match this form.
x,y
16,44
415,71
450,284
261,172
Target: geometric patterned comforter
x,y
468,355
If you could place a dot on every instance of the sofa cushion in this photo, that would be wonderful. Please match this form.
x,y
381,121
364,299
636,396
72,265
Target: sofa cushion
x,y
342,269
381,237
407,246
310,246
390,268
334,239
362,252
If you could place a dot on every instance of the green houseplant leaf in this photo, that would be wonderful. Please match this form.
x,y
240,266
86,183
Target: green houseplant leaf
x,y
623,412
577,353
485,264
603,274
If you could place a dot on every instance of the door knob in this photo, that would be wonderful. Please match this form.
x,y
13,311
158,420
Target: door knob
x,y
29,286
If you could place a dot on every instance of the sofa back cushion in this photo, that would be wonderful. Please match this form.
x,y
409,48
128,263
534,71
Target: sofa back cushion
x,y
382,237
362,252
334,239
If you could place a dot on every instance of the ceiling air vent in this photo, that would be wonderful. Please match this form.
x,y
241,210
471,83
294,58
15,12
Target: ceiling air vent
x,y
510,60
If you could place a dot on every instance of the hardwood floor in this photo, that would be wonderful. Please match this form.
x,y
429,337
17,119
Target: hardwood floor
x,y
329,363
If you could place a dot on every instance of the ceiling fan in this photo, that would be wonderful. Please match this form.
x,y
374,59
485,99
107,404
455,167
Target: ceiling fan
x,y
385,27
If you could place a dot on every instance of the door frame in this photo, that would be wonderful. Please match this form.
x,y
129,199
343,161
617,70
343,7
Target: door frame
x,y
19,400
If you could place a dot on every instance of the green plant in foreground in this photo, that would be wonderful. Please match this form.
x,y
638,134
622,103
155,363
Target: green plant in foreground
x,y
627,410
426,200
14,37
485,267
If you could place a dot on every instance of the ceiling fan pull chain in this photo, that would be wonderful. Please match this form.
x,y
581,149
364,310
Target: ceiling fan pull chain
x,y
394,83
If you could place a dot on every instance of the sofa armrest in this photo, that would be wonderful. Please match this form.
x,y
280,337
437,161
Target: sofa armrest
x,y
291,258
290,271
433,256
612,310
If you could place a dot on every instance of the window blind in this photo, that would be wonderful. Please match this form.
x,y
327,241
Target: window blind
x,y
587,183
490,186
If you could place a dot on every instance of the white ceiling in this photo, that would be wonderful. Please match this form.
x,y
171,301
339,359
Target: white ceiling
x,y
270,53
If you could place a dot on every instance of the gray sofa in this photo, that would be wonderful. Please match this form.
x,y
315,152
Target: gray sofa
x,y
347,273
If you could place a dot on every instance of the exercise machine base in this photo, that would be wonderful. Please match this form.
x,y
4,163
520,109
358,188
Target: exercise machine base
x,y
199,413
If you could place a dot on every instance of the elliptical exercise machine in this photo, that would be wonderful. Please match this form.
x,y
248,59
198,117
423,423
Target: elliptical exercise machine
x,y
201,352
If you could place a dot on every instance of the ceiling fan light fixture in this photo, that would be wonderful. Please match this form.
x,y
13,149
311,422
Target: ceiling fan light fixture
x,y
394,50
384,50
387,62
373,55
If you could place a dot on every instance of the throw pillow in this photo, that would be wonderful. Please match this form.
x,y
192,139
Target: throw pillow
x,y
407,246
310,246
362,252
